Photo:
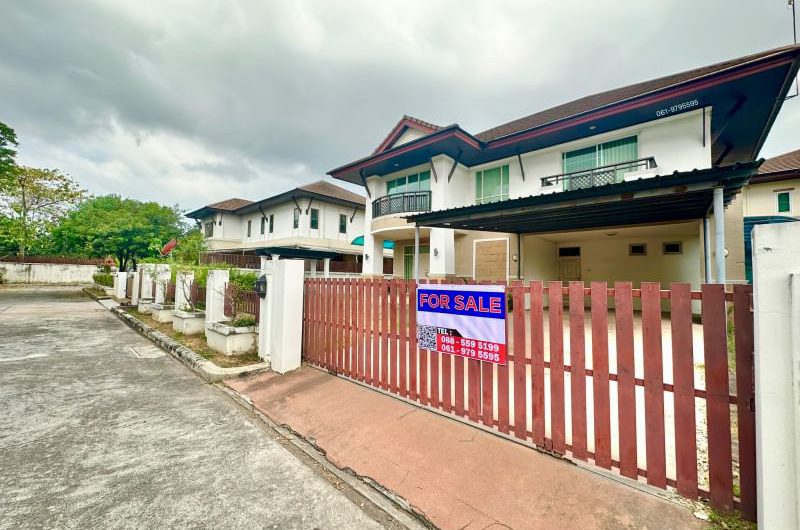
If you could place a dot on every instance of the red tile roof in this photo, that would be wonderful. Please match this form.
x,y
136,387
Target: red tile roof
x,y
786,162
230,204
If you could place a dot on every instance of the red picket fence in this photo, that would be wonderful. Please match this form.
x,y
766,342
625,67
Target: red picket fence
x,y
238,301
129,286
588,377
169,295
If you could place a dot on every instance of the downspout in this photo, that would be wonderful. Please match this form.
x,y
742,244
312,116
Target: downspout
x,y
707,247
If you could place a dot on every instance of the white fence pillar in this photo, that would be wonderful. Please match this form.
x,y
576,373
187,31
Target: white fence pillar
x,y
134,294
215,294
183,289
776,274
120,284
162,275
284,322
147,272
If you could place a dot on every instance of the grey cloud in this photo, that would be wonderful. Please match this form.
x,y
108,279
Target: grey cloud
x,y
275,93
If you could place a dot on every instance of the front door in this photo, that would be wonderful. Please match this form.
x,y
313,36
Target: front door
x,y
569,264
408,260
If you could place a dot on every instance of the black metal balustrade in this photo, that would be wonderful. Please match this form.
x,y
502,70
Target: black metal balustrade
x,y
599,176
414,201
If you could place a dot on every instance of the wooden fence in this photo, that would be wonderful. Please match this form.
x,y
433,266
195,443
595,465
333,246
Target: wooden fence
x,y
241,261
240,301
197,296
588,377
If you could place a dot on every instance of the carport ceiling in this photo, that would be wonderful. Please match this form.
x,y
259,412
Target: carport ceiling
x,y
664,199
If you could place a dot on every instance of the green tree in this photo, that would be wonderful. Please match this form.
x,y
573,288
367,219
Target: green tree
x,y
127,229
8,141
34,200
189,248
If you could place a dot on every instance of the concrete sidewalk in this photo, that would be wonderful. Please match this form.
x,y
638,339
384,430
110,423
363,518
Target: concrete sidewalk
x,y
457,475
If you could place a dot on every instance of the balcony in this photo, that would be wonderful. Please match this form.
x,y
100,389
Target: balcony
x,y
415,201
599,176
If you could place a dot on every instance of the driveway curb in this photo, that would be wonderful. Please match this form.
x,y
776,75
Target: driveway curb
x,y
203,367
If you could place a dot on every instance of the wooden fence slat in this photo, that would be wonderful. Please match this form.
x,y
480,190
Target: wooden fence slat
x,y
371,324
655,447
520,354
537,362
577,361
403,325
626,386
447,394
340,309
352,326
717,408
343,349
745,398
357,355
502,374
555,321
384,297
433,374
364,337
413,362
600,381
459,378
683,384
424,367
393,345
316,321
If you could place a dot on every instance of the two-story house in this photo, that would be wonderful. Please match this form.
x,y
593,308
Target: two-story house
x,y
620,185
315,221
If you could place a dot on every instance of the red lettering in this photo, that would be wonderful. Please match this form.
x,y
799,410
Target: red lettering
x,y
459,301
423,299
471,305
494,305
444,301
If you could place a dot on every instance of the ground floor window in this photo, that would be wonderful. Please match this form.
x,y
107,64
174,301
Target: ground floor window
x,y
408,259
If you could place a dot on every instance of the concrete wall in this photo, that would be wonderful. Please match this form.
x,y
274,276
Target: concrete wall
x,y
46,273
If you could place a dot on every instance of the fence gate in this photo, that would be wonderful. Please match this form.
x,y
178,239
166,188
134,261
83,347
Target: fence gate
x,y
593,371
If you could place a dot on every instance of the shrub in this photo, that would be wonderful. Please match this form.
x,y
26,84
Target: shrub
x,y
243,280
103,278
244,321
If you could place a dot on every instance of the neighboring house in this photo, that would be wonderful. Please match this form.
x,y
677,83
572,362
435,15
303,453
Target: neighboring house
x,y
621,185
772,196
315,221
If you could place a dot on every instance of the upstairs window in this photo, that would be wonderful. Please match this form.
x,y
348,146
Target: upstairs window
x,y
271,223
491,185
263,222
342,223
296,221
314,219
784,199
410,183
249,225
209,229
605,154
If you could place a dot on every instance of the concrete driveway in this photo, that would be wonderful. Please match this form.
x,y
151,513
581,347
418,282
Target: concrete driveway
x,y
101,429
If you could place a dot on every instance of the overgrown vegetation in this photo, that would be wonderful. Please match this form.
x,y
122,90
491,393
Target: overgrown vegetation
x,y
103,278
244,321
244,280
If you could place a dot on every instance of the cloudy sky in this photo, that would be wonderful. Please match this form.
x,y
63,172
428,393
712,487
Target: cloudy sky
x,y
191,101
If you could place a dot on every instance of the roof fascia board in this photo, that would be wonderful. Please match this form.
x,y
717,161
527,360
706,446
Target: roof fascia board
x,y
398,130
291,195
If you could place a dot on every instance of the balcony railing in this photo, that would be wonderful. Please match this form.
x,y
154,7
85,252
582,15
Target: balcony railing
x,y
599,176
414,201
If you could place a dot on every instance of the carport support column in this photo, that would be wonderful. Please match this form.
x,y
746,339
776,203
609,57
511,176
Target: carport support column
x,y
719,234
215,294
326,267
776,304
416,254
285,329
442,256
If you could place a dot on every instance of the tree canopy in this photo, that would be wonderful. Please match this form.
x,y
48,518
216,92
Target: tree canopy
x,y
33,200
127,229
8,141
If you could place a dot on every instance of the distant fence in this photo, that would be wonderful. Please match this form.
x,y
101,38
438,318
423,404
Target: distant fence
x,y
59,260
239,301
241,261
654,396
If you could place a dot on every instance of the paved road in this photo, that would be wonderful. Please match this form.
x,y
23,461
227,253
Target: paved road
x,y
101,429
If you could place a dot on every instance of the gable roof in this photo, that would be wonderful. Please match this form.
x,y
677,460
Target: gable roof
x,y
322,187
616,95
745,95
781,167
229,204
405,123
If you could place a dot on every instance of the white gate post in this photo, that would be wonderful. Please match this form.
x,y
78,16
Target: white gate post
x,y
215,294
120,284
265,312
162,276
134,294
183,289
776,274
286,315
147,282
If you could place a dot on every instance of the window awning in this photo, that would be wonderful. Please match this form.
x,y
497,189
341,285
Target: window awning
x,y
359,241
661,199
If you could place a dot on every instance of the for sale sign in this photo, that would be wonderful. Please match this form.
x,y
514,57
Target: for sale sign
x,y
465,320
